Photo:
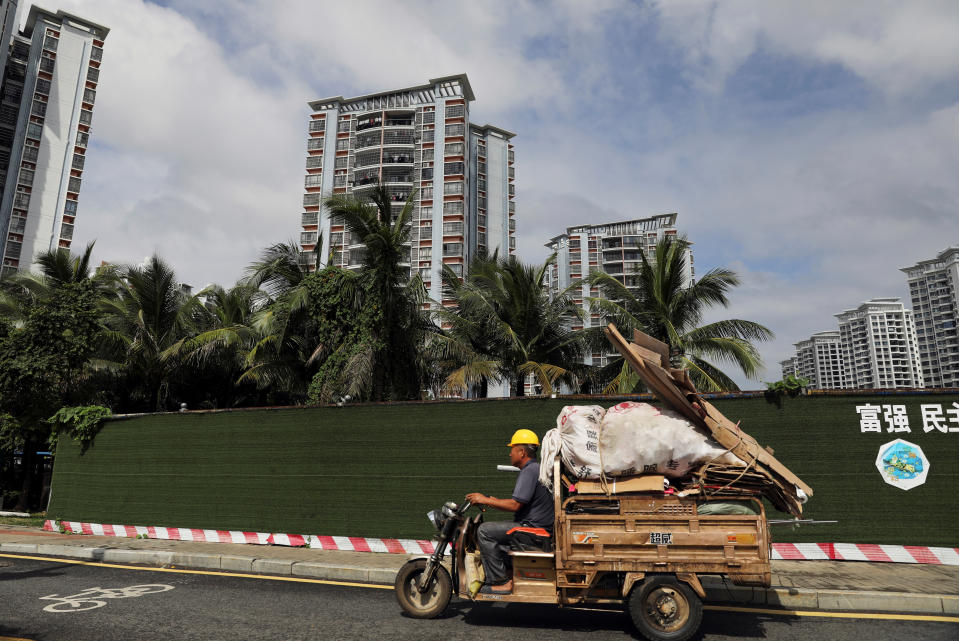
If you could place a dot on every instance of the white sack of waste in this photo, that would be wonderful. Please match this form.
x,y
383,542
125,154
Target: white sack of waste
x,y
638,438
576,440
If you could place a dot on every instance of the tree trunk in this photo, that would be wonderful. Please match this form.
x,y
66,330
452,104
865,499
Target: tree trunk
x,y
520,387
29,477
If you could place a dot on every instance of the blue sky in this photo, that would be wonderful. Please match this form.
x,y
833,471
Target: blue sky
x,y
810,146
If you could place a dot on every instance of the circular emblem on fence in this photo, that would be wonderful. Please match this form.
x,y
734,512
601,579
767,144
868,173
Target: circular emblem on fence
x,y
902,464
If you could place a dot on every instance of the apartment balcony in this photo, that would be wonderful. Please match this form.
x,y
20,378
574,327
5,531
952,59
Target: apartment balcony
x,y
398,138
310,218
397,158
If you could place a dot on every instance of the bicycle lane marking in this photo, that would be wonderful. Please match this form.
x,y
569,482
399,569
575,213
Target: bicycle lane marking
x,y
92,598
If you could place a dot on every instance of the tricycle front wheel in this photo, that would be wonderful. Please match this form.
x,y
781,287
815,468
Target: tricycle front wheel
x,y
430,603
663,608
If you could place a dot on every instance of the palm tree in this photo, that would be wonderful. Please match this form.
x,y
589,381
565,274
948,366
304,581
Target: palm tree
x,y
505,327
386,366
146,322
283,342
666,306
58,267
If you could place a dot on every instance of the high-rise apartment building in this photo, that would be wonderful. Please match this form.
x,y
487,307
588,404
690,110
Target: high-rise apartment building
x,y
789,366
613,248
879,345
819,360
46,109
414,138
934,289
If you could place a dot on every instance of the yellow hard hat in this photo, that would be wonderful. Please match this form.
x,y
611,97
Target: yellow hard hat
x,y
524,437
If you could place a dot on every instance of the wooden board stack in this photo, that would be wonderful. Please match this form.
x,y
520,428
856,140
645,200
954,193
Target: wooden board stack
x,y
764,475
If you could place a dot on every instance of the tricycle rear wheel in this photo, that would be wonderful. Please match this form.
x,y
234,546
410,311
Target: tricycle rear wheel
x,y
422,605
663,608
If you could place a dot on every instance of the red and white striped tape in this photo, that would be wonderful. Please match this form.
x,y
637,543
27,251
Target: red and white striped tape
x,y
781,551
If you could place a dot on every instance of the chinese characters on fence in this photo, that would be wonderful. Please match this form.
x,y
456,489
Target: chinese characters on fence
x,y
872,418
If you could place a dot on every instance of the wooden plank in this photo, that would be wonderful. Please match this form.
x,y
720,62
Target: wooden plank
x,y
654,345
733,433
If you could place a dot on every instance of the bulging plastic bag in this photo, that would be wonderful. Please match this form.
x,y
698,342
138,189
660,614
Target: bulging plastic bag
x,y
630,438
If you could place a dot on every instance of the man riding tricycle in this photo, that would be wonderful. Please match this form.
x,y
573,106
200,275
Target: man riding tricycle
x,y
633,541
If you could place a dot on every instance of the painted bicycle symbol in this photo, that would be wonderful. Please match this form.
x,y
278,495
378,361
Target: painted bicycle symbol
x,y
93,598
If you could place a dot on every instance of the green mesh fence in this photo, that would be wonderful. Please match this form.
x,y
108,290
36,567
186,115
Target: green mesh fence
x,y
376,470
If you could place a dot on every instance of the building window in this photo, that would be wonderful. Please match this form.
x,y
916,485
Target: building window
x,y
311,200
43,86
452,168
428,135
343,126
457,268
314,144
46,62
481,166
21,200
481,220
452,229
342,143
453,188
70,209
340,162
481,202
317,125
455,111
26,176
89,95
426,213
429,117
308,238
313,180
453,149
18,224
30,153
13,249
50,43
425,273
82,139
66,231
428,155
339,181
96,53
481,184
427,174
39,108
78,161
86,116
314,162
93,74
453,208
455,130
481,237
74,184
427,193
452,249
426,231
426,253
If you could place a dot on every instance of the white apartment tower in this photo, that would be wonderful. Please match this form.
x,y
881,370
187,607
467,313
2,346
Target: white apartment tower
x,y
613,248
819,360
46,109
789,366
879,345
414,138
934,289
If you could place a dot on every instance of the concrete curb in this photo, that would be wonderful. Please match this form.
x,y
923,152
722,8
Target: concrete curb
x,y
717,590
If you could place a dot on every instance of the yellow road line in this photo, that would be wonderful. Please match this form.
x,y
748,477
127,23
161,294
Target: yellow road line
x,y
717,608
206,572
835,615
14,639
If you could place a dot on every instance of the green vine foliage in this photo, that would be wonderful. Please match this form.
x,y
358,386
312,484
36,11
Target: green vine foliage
x,y
791,386
80,423
345,329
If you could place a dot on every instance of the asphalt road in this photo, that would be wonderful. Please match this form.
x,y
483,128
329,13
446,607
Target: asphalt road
x,y
141,604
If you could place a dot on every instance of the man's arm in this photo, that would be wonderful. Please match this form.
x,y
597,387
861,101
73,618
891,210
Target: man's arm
x,y
507,505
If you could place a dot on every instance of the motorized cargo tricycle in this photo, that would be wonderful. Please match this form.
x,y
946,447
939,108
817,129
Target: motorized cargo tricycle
x,y
640,549
630,542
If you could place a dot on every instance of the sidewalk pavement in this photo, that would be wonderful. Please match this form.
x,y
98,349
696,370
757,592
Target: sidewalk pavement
x,y
800,585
